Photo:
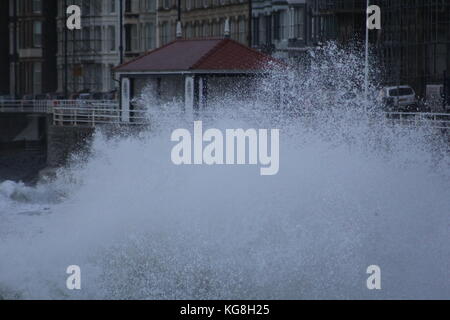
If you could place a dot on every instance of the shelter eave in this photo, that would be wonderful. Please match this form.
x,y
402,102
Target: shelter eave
x,y
188,72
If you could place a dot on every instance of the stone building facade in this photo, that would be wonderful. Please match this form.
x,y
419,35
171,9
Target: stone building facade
x,y
88,55
32,35
413,45
280,27
5,54
202,19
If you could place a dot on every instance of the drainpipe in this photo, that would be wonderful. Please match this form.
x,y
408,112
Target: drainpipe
x,y
15,90
157,43
121,31
366,69
250,13
179,32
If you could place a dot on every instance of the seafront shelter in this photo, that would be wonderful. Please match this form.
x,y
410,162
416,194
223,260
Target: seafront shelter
x,y
193,72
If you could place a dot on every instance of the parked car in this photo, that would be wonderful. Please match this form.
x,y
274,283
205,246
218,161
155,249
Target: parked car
x,y
6,100
98,96
6,97
74,96
84,96
55,96
400,98
27,97
42,96
112,95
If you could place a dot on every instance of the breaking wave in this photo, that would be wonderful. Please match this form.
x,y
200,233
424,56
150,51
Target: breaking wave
x,y
353,190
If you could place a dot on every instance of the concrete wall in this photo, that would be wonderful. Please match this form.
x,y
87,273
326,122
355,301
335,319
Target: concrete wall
x,y
4,47
22,127
63,141
11,125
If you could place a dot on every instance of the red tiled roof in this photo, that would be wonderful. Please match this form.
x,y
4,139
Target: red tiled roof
x,y
200,54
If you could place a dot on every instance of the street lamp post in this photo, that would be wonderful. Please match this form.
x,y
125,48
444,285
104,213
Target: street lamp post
x,y
249,23
15,90
66,86
366,75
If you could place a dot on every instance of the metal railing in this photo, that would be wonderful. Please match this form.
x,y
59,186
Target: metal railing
x,y
46,106
434,120
98,114
26,106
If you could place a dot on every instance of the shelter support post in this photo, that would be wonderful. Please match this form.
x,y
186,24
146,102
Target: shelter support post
x,y
125,100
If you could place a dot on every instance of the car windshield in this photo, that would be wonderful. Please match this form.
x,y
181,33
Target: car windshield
x,y
401,92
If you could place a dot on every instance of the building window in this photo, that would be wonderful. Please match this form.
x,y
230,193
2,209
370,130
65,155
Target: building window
x,y
164,32
112,38
206,29
77,43
112,83
37,34
86,38
279,27
131,6
151,5
268,28
134,38
86,8
262,30
256,31
299,23
127,5
149,36
37,78
98,39
166,4
37,6
198,30
131,37
112,6
313,28
188,31
241,29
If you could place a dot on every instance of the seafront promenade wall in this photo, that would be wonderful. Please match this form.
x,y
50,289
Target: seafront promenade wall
x,y
63,141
